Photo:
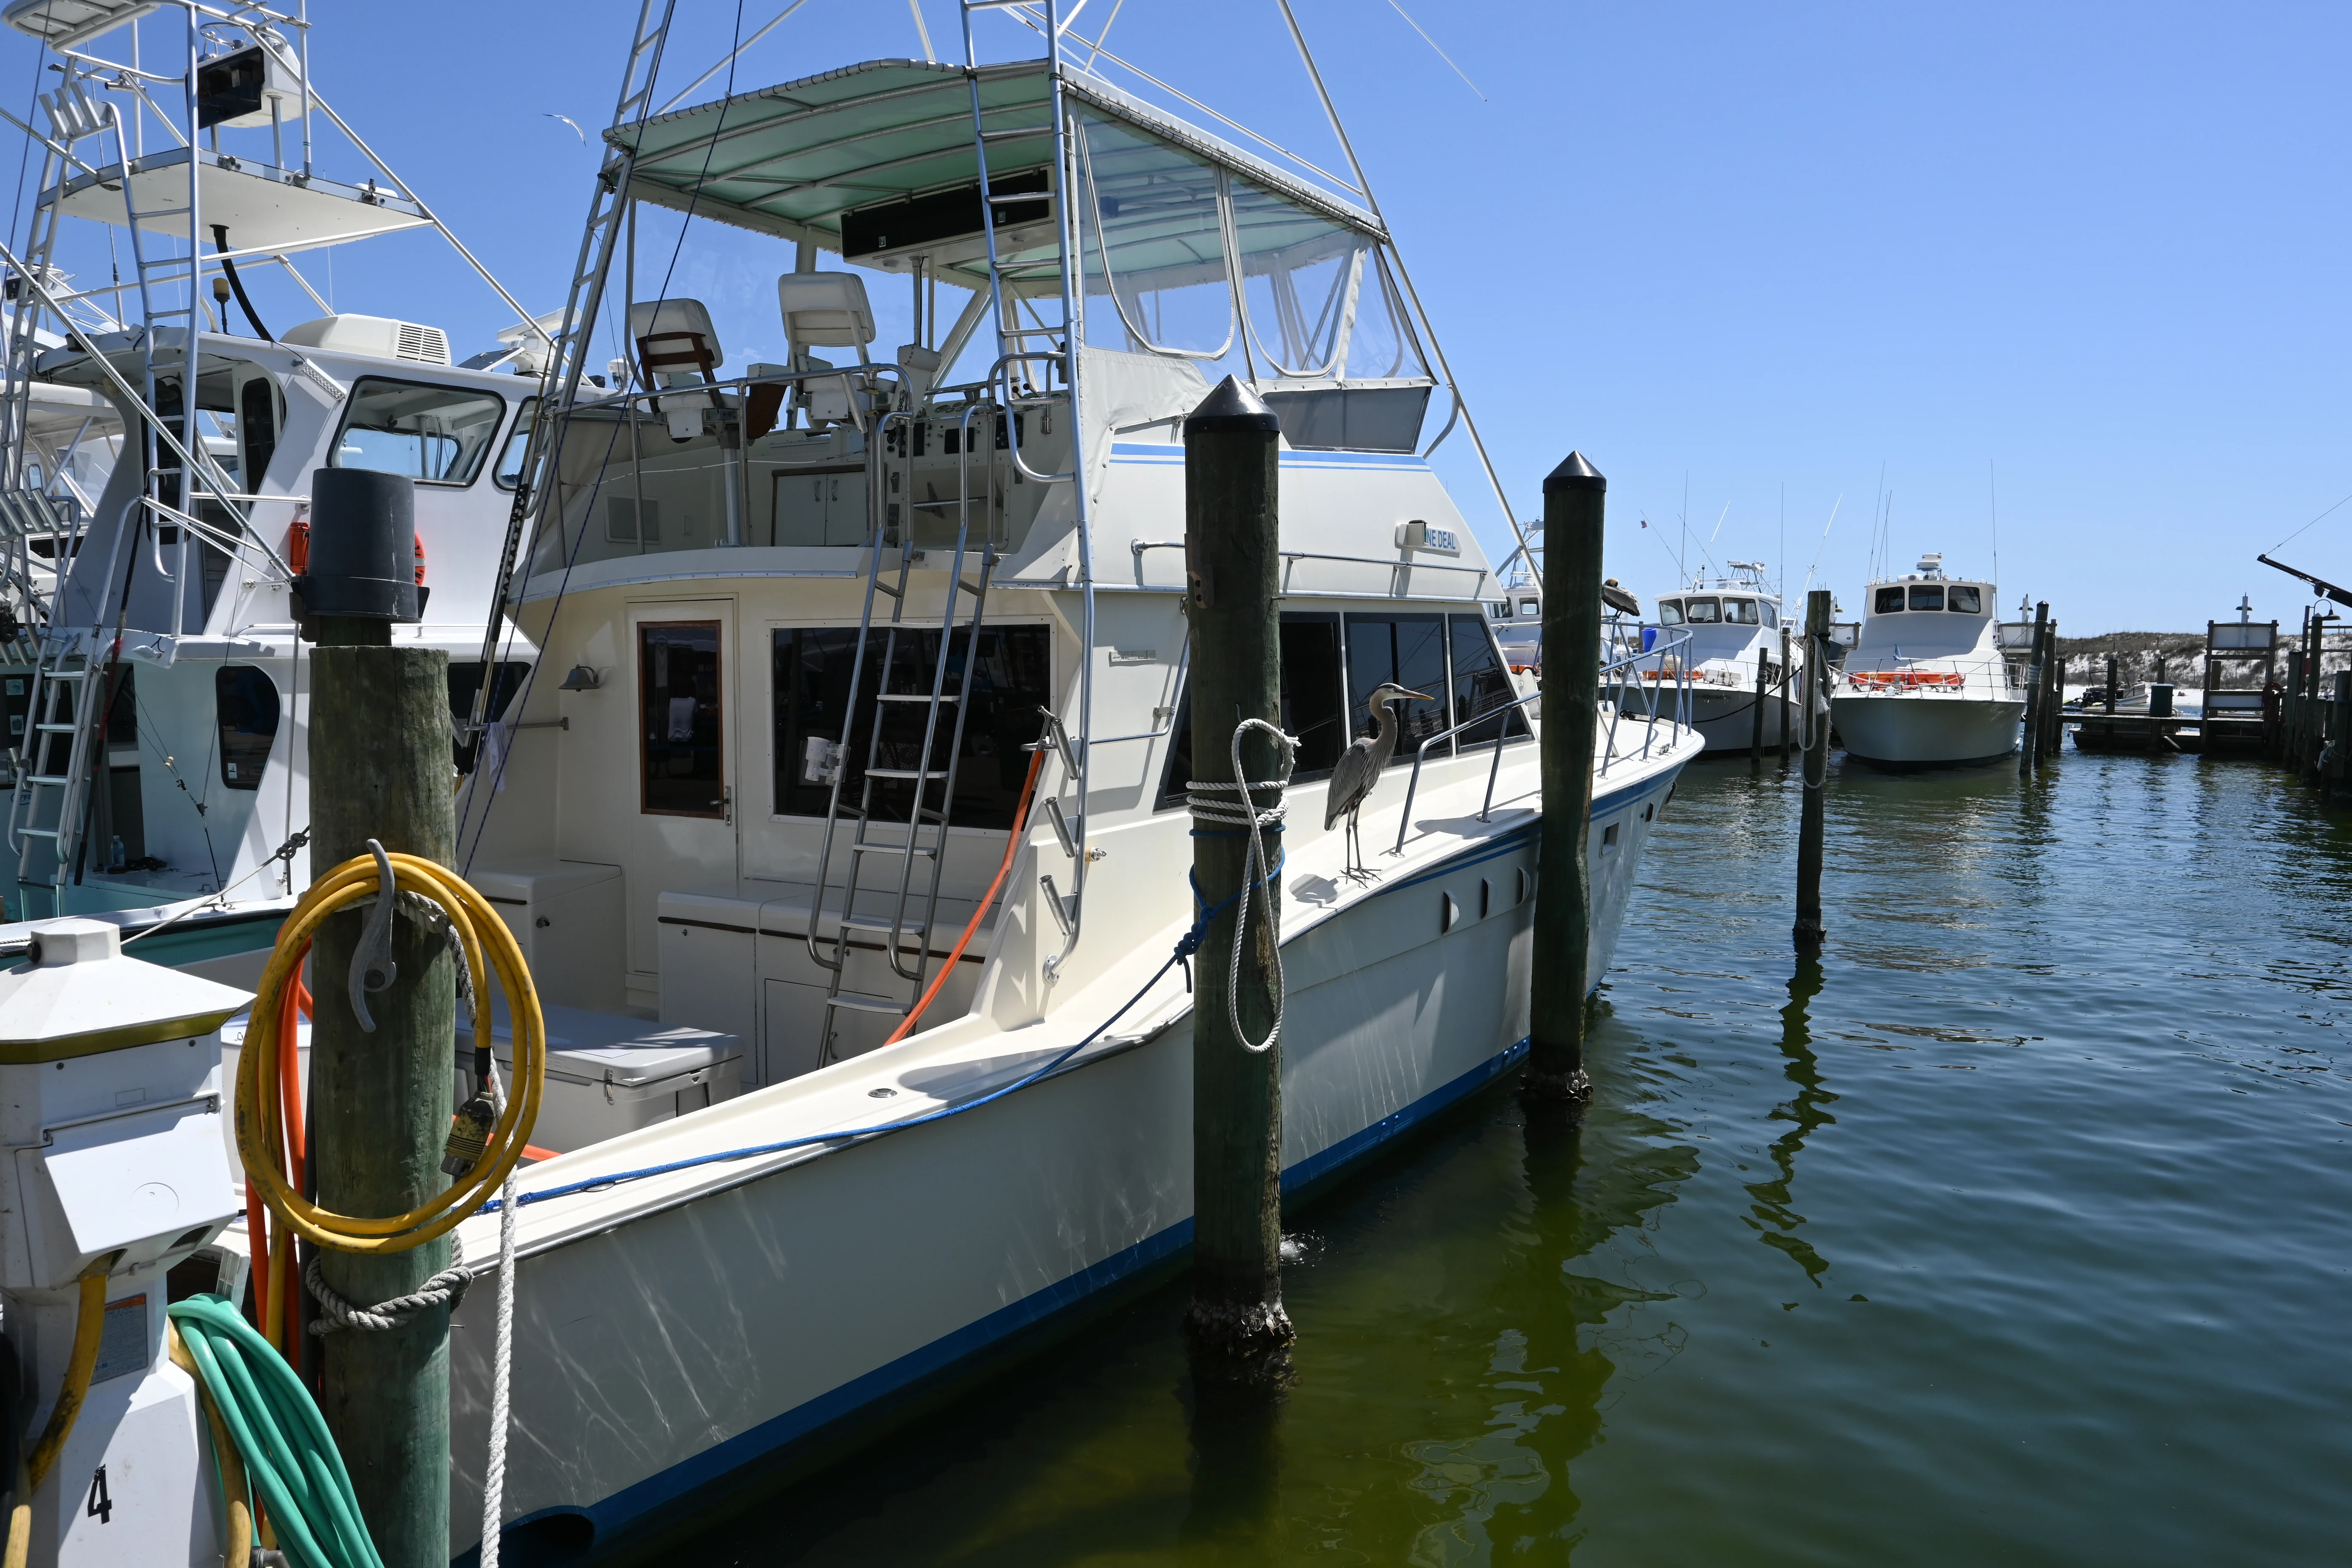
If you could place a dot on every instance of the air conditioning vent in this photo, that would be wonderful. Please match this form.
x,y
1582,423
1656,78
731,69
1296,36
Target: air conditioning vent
x,y
378,336
427,345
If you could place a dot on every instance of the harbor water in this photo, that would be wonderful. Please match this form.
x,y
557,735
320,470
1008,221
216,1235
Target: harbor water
x,y
2014,1230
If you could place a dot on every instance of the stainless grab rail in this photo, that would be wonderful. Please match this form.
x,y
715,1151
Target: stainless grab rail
x,y
1617,708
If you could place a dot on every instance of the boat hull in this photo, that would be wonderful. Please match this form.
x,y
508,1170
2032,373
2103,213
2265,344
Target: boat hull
x,y
1726,720
1919,730
657,1358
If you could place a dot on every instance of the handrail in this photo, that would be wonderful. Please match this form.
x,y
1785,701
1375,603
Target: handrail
x,y
1495,769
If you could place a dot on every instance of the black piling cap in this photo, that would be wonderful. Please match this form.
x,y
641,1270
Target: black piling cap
x,y
1574,474
1231,407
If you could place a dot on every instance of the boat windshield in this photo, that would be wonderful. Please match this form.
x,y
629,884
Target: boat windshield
x,y
1670,612
1702,612
1741,613
1966,599
1888,602
1927,596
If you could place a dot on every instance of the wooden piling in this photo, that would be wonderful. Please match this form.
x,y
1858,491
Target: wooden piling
x,y
380,1102
2053,698
2029,755
1756,729
1560,986
1810,832
1786,740
2113,667
1238,1332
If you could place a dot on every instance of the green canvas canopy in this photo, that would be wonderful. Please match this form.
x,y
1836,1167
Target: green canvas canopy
x,y
791,160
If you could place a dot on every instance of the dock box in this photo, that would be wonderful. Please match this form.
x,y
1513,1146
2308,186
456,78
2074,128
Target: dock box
x,y
609,1074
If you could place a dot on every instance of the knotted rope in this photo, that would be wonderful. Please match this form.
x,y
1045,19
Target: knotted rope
x,y
448,1286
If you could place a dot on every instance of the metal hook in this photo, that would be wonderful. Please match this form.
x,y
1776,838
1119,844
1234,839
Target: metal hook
x,y
371,966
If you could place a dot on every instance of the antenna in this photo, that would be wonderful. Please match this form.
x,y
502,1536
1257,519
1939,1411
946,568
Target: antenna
x,y
1993,492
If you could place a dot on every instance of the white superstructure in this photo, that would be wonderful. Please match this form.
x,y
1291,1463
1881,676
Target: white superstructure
x,y
1926,684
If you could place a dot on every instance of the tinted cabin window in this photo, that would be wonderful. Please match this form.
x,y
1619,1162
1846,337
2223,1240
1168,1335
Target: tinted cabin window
x,y
246,699
1927,596
1670,612
1888,602
680,731
1012,679
1311,706
1480,685
1967,601
257,430
1409,650
436,434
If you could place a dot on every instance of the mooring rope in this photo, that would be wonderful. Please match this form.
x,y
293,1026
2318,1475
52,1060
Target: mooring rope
x,y
340,1312
1257,876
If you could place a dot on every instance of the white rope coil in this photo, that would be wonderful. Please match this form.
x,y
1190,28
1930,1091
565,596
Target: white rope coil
x,y
1242,810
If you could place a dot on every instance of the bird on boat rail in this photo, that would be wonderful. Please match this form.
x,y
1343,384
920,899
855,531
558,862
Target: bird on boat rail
x,y
1360,768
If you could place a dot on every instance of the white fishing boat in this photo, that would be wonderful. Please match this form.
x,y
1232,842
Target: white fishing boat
x,y
154,697
1926,684
1738,652
816,622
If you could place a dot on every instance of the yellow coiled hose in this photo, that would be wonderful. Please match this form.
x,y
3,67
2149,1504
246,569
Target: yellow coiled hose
x,y
258,1073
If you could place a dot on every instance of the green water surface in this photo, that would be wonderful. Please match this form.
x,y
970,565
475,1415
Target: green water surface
x,y
2014,1231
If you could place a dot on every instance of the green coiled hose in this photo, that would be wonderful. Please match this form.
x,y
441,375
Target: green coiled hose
x,y
289,1460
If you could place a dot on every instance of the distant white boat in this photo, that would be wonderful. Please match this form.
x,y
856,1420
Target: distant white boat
x,y
1734,623
1926,684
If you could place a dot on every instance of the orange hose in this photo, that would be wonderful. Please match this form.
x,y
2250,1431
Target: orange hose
x,y
286,1292
987,901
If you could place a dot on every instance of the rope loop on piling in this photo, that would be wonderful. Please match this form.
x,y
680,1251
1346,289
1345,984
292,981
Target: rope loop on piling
x,y
1235,805
338,1313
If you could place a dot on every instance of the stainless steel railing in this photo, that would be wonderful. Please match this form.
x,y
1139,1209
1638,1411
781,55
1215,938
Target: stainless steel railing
x,y
1626,681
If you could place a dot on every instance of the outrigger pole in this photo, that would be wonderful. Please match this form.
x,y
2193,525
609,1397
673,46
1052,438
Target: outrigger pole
x,y
1461,403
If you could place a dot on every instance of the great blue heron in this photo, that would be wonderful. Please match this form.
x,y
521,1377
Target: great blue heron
x,y
1360,768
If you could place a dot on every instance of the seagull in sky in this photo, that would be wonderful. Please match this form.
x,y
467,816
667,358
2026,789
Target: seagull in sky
x,y
567,120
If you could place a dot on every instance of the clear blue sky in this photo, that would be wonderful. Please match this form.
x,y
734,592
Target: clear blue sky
x,y
2089,253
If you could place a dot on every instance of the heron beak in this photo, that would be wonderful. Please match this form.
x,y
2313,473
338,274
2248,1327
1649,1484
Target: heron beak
x,y
1418,696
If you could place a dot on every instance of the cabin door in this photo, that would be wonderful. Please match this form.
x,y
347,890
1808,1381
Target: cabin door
x,y
684,688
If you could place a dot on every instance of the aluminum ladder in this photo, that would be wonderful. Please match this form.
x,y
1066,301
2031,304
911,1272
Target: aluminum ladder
x,y
922,834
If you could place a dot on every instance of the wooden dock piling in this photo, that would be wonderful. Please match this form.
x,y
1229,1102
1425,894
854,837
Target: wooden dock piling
x,y
1786,740
1811,831
2029,754
1560,987
2115,667
1238,1332
1756,728
381,1100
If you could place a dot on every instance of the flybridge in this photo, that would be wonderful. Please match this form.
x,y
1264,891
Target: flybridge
x,y
827,158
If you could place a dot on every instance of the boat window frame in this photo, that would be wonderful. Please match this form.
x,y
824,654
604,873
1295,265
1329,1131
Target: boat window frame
x,y
1670,612
1921,591
481,457
1973,590
1878,599
1712,602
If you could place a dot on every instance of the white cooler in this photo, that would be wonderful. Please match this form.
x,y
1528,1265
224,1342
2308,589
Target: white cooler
x,y
609,1074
